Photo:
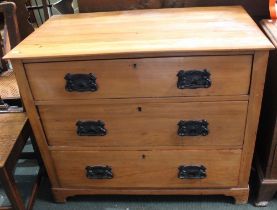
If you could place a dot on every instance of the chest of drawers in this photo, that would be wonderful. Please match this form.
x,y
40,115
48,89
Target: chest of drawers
x,y
145,102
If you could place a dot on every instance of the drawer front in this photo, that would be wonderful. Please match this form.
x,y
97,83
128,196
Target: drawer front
x,y
152,77
156,169
148,124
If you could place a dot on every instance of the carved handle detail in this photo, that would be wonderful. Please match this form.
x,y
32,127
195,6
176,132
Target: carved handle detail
x,y
193,128
192,172
80,82
193,79
99,172
91,128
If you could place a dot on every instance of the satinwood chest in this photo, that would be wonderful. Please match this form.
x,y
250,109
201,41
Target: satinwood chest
x,y
162,101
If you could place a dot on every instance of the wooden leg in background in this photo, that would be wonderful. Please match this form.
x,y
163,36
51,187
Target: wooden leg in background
x,y
35,190
266,188
265,194
11,190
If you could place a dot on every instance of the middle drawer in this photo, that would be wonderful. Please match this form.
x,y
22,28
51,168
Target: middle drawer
x,y
147,124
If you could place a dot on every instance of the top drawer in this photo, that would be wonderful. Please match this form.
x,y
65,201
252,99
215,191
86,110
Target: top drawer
x,y
149,77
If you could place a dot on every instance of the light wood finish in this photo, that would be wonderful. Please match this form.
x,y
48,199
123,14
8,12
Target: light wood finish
x,y
11,125
193,35
155,124
255,100
115,33
270,27
15,132
240,194
133,148
152,77
33,116
145,100
142,169
162,54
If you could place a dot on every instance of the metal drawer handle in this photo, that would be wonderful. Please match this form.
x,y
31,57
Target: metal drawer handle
x,y
91,128
192,172
193,79
80,82
99,172
193,128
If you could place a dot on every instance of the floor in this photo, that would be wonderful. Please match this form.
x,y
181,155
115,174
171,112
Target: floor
x,y
27,169
25,175
142,202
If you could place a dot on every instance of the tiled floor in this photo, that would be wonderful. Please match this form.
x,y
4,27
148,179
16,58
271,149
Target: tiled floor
x,y
143,202
25,175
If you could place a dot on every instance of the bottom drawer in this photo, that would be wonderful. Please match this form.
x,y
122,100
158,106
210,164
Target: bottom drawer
x,y
148,169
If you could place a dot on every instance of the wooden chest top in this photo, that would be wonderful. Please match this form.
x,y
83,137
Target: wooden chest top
x,y
270,27
139,32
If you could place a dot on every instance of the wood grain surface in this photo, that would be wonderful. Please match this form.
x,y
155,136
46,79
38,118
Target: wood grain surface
x,y
253,114
156,169
149,77
139,124
143,31
11,125
270,28
33,116
153,45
